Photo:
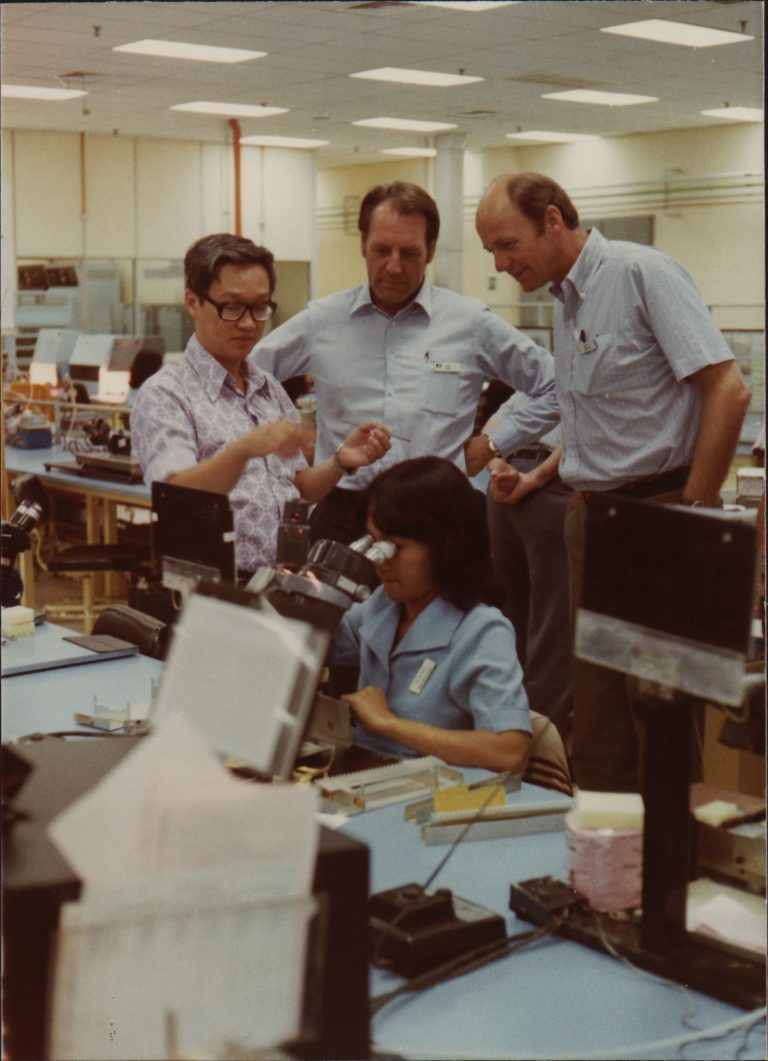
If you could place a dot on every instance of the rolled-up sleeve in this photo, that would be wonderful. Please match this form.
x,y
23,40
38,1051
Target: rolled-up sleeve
x,y
514,358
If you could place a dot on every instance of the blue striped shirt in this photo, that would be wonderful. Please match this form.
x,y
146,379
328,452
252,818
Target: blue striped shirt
x,y
420,372
630,328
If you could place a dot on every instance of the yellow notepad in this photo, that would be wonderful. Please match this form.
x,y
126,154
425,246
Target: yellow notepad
x,y
462,797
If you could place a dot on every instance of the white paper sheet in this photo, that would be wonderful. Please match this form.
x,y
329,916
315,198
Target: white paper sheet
x,y
234,671
191,932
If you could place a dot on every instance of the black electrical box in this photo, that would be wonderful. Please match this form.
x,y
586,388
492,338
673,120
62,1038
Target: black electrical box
x,y
415,930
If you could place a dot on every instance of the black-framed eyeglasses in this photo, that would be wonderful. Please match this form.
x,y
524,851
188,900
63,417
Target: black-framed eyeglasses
x,y
233,311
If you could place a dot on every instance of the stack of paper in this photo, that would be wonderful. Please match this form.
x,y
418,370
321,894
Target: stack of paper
x,y
191,931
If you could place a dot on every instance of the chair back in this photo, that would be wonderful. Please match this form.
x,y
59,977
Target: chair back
x,y
145,631
548,760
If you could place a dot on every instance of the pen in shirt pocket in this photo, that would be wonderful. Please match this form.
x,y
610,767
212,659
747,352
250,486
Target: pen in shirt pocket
x,y
400,438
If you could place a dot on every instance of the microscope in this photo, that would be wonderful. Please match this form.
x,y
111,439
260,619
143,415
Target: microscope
x,y
15,535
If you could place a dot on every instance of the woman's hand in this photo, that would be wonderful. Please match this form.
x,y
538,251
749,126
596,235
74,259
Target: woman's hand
x,y
371,708
366,444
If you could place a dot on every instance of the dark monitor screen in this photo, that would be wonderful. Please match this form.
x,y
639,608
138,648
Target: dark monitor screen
x,y
677,571
84,373
127,348
193,536
32,278
668,595
61,276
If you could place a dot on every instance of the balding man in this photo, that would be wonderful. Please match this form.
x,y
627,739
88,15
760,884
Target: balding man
x,y
651,403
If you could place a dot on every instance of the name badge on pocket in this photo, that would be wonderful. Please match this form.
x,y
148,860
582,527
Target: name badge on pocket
x,y
422,676
446,366
586,346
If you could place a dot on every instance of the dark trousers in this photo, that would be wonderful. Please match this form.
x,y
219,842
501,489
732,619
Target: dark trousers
x,y
339,517
531,563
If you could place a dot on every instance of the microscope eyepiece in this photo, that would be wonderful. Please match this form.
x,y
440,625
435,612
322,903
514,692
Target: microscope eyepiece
x,y
381,551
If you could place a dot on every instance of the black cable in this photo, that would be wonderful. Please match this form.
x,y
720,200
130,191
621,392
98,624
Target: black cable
x,y
29,737
465,963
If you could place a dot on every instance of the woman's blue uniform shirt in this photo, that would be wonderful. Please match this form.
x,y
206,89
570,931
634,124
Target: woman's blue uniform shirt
x,y
476,681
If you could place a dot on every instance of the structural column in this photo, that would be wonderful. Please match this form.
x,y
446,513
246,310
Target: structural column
x,y
449,194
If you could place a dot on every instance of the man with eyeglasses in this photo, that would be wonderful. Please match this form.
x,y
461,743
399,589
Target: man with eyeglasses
x,y
215,421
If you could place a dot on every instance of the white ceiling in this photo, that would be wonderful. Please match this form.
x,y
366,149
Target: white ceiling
x,y
522,51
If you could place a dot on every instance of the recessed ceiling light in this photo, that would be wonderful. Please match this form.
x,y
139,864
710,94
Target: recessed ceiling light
x,y
416,77
737,114
404,124
31,92
604,99
282,141
201,53
232,110
467,5
660,29
552,138
411,152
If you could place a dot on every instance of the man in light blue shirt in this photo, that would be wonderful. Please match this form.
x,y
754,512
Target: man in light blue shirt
x,y
410,354
651,400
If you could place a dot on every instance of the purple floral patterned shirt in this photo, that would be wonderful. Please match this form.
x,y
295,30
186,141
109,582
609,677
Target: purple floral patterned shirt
x,y
189,410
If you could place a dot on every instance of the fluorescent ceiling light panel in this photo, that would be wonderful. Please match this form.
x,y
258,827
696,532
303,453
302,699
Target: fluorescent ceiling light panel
x,y
660,29
31,92
467,5
232,110
404,124
282,141
552,138
737,114
411,152
416,77
602,99
201,53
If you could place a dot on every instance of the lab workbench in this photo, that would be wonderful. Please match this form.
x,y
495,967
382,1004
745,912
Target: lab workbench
x,y
551,999
100,496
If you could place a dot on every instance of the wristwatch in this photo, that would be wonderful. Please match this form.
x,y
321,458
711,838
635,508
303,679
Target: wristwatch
x,y
339,465
492,446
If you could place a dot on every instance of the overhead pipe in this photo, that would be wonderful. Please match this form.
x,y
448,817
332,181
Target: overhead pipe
x,y
234,125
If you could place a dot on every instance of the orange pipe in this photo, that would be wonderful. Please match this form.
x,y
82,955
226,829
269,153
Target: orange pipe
x,y
234,125
83,194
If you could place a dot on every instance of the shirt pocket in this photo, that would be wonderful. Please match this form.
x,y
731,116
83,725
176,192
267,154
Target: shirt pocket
x,y
594,372
440,387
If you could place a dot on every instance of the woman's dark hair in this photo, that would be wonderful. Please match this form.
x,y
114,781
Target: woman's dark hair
x,y
406,198
430,500
207,257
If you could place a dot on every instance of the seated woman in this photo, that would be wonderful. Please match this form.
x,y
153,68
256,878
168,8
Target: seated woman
x,y
439,673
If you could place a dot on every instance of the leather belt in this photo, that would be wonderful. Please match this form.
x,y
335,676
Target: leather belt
x,y
655,484
534,454
346,497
